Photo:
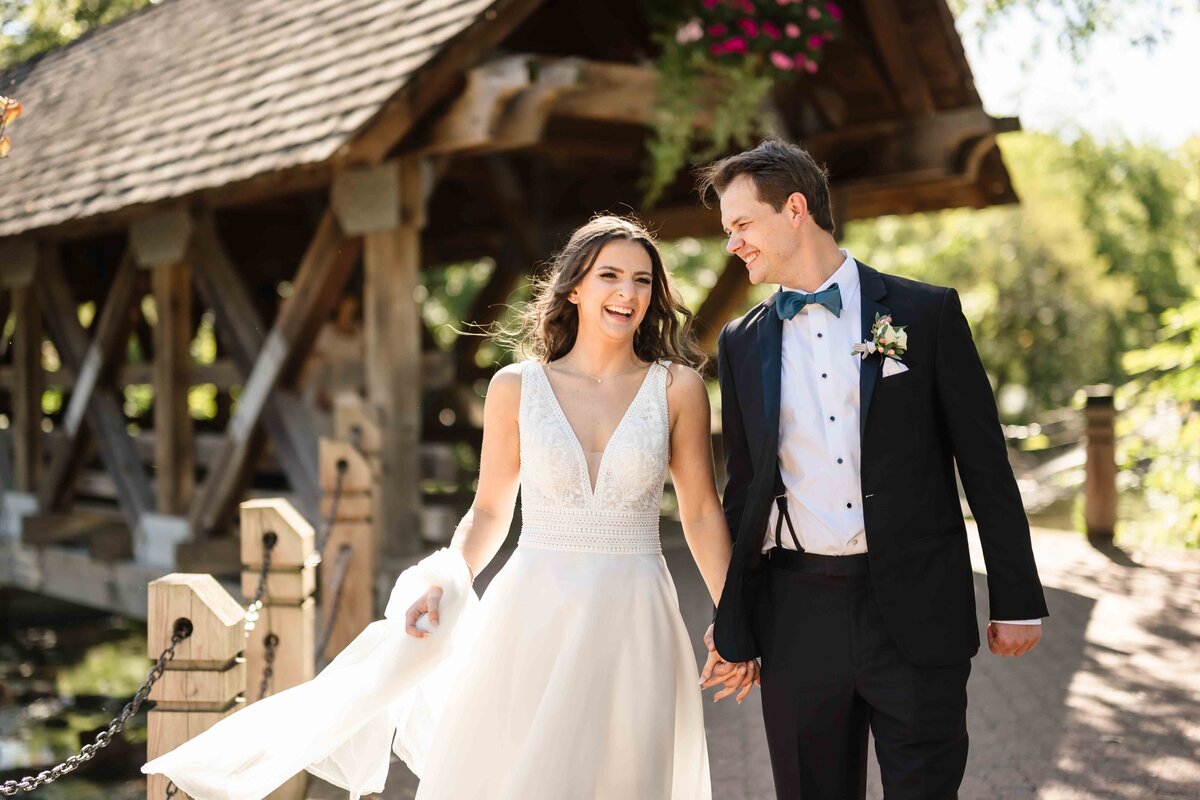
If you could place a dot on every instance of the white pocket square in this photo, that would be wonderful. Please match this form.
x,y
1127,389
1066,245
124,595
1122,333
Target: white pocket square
x,y
893,367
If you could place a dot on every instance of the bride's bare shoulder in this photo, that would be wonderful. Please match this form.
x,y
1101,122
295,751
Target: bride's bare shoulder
x,y
685,383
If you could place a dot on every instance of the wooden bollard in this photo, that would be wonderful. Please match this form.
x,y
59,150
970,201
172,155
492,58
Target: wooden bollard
x,y
288,610
351,527
206,680
1100,484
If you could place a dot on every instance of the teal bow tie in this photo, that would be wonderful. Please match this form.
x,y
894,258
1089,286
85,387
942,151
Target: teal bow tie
x,y
789,303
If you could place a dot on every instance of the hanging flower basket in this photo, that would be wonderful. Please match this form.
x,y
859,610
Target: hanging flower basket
x,y
721,58
10,109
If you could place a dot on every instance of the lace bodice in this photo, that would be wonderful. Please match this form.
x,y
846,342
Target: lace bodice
x,y
559,508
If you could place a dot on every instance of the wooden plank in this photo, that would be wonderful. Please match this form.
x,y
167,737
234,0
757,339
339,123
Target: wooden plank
x,y
29,381
319,282
471,120
174,438
5,310
104,413
110,334
287,420
891,37
433,82
391,267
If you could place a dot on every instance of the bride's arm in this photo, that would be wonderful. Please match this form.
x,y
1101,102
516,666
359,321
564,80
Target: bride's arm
x,y
700,510
481,532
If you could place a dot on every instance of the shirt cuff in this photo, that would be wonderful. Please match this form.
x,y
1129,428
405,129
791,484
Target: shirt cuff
x,y
1019,621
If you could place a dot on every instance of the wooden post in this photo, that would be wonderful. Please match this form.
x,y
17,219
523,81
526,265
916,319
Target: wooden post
x,y
288,612
207,678
386,205
28,383
1100,485
351,527
160,243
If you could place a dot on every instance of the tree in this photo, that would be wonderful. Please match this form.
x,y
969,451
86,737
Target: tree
x,y
31,27
1075,23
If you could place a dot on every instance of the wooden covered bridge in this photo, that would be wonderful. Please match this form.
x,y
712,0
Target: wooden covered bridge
x,y
237,168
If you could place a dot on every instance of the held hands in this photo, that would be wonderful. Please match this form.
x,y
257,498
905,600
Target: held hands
x,y
1012,640
719,671
427,604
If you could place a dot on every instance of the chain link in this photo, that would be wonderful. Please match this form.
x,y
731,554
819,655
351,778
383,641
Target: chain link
x,y
252,611
343,466
270,644
183,629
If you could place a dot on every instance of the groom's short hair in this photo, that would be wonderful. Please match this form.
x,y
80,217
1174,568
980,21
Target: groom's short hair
x,y
778,169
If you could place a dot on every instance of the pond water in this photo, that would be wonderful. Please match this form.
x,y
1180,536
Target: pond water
x,y
65,673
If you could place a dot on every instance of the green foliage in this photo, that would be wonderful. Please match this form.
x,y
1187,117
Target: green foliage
x,y
1045,312
1075,23
1160,430
31,27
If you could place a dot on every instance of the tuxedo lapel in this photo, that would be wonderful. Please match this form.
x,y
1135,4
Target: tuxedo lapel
x,y
770,349
873,290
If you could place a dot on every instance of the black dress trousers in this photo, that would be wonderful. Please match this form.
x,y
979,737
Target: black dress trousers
x,y
830,672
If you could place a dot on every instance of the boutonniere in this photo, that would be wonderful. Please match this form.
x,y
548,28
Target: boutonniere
x,y
889,342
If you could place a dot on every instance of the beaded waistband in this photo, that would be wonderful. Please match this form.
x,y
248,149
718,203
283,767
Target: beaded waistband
x,y
590,531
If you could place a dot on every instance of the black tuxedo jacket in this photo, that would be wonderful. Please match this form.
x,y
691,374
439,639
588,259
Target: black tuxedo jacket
x,y
914,426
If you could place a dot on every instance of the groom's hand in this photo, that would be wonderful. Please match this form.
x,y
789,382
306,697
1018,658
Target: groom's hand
x,y
734,677
1012,640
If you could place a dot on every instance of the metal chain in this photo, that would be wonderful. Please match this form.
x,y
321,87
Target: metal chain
x,y
343,466
270,644
172,789
183,629
269,541
345,553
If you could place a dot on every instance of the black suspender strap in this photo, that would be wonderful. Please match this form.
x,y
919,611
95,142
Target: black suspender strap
x,y
781,504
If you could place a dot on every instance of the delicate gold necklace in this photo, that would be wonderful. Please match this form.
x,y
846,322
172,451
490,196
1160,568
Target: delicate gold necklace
x,y
593,377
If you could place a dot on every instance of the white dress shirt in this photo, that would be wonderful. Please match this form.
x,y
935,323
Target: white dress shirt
x,y
819,442
818,424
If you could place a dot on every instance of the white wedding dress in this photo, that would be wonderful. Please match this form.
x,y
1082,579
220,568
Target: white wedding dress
x,y
572,679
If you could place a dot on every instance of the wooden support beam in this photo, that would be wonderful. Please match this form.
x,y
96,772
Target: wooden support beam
x,y
174,437
160,244
723,302
352,527
110,334
104,413
892,38
5,310
29,380
470,121
286,420
319,281
434,82
391,268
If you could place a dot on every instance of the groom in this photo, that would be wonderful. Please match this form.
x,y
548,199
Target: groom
x,y
850,576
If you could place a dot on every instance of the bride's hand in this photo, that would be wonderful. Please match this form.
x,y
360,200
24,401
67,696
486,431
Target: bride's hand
x,y
426,604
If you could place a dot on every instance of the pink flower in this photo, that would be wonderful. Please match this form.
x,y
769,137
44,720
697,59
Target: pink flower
x,y
814,12
811,66
747,6
780,60
749,27
783,2
717,49
800,61
717,30
735,45
692,32
792,30
772,30
834,11
815,42
710,3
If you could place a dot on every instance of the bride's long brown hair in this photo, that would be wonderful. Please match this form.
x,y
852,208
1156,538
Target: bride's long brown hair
x,y
549,323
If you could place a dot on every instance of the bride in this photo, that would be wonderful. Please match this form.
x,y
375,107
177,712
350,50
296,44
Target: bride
x,y
573,677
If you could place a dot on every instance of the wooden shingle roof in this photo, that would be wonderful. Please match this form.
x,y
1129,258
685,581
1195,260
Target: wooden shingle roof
x,y
191,95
